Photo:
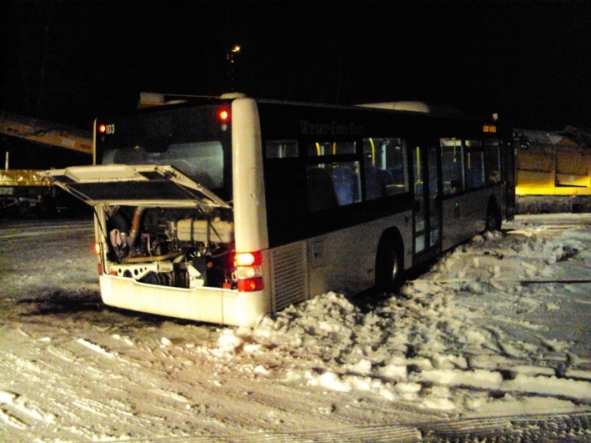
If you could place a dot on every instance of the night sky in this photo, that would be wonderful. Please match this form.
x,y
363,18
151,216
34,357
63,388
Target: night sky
x,y
528,61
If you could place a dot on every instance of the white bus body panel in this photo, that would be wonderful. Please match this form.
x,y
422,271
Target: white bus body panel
x,y
342,261
248,185
465,216
345,260
250,217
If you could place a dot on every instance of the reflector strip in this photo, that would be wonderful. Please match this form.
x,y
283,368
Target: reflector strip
x,y
251,284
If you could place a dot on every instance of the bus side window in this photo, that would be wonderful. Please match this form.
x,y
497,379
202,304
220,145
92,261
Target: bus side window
x,y
333,183
281,149
385,167
452,165
321,193
320,149
345,181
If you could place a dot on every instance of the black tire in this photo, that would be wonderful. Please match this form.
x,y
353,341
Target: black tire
x,y
389,265
494,219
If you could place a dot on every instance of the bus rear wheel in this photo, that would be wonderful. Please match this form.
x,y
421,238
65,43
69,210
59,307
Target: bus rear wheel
x,y
389,265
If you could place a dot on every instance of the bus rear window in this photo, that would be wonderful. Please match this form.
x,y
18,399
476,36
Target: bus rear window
x,y
203,162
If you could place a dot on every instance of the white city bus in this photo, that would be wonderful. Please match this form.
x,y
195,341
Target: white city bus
x,y
230,209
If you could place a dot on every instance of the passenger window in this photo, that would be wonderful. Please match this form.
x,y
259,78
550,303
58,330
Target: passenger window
x,y
332,185
474,164
281,148
385,167
331,148
452,165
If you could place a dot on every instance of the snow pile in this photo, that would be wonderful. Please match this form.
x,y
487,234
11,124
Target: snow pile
x,y
480,335
442,343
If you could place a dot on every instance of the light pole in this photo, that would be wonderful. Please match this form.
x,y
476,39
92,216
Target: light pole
x,y
231,68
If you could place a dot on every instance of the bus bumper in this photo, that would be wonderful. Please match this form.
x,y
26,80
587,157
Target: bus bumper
x,y
213,305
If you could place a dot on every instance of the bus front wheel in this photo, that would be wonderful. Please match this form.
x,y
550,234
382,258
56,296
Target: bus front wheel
x,y
389,265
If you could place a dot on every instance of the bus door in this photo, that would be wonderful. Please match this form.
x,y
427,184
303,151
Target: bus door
x,y
427,203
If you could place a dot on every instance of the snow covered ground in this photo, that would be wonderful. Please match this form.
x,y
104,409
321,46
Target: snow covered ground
x,y
493,337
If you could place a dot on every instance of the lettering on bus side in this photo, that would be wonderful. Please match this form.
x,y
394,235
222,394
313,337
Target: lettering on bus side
x,y
308,127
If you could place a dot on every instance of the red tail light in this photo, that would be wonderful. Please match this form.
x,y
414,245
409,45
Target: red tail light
x,y
249,271
251,284
224,115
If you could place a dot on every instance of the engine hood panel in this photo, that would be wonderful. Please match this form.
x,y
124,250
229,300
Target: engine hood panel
x,y
146,185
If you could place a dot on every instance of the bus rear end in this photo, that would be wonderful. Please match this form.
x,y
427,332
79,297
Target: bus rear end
x,y
165,222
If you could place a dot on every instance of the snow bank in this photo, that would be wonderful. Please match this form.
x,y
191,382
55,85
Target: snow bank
x,y
443,343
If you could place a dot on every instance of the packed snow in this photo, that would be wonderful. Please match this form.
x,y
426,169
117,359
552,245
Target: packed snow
x,y
497,327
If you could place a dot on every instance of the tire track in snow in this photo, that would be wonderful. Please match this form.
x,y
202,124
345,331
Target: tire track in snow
x,y
550,428
243,390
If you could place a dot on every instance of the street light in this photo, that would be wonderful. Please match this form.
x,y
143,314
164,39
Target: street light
x,y
230,68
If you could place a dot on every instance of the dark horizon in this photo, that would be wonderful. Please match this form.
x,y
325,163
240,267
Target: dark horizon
x,y
69,61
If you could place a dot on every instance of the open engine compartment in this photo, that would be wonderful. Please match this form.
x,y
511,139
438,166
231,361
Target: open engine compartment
x,y
179,247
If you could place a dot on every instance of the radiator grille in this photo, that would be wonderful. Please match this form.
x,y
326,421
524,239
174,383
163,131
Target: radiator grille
x,y
289,275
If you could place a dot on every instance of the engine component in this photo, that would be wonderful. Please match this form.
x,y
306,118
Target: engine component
x,y
205,231
179,247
